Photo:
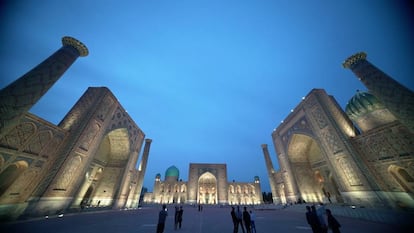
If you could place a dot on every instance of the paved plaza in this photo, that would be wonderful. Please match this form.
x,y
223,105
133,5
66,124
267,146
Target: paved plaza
x,y
210,220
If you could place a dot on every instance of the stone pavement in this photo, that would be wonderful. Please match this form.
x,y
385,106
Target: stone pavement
x,y
210,220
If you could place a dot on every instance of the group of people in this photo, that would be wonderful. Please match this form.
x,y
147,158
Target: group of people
x,y
178,217
239,217
321,219
162,216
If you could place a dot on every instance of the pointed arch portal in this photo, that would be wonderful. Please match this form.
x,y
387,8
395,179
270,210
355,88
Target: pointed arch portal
x,y
207,189
310,169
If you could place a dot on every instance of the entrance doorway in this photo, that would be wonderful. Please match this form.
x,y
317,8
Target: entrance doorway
x,y
207,189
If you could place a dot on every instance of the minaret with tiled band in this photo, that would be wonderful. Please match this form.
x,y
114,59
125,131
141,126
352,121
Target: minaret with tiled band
x,y
19,97
398,99
270,170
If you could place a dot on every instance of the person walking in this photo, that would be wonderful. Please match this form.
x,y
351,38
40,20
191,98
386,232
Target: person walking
x,y
235,221
333,224
239,216
314,220
252,222
176,217
247,220
180,217
162,216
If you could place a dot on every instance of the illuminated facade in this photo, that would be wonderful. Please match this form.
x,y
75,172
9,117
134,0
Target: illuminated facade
x,y
88,159
207,184
363,155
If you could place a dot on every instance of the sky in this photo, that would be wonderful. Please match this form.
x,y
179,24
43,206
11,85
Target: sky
x,y
207,81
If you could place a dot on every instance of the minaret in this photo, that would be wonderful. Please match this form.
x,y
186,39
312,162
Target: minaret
x,y
18,97
270,171
398,99
141,172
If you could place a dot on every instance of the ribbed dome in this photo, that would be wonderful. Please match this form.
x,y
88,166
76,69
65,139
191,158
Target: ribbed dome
x,y
367,112
172,172
361,104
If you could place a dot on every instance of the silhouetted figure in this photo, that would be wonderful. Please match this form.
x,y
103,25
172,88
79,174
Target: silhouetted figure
x,y
180,217
176,217
235,221
247,220
328,194
333,224
162,216
239,216
313,220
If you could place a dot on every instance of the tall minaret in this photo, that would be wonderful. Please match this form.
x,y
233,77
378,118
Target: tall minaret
x,y
18,97
141,172
270,171
398,99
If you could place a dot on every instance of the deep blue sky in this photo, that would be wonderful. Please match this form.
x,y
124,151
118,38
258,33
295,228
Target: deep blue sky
x,y
208,81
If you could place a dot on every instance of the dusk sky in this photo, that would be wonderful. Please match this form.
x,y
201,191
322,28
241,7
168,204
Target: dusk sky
x,y
208,81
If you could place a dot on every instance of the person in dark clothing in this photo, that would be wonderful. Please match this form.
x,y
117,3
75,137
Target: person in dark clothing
x,y
162,216
247,220
235,221
312,219
180,217
239,216
332,222
176,218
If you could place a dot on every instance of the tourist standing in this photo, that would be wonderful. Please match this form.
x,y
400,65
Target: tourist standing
x,y
252,221
239,216
180,217
235,220
333,224
314,221
321,217
176,217
247,220
162,216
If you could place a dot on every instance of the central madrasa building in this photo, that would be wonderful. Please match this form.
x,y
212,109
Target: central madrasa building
x,y
207,184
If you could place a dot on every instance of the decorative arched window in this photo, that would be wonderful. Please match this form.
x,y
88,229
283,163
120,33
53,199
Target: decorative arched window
x,y
402,177
10,174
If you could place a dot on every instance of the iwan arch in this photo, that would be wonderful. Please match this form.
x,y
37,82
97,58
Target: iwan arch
x,y
88,159
363,155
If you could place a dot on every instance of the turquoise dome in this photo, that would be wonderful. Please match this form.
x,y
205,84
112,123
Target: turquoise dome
x,y
361,104
172,172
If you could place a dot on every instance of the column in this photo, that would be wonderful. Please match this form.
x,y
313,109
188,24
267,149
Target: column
x,y
270,171
18,97
141,172
398,99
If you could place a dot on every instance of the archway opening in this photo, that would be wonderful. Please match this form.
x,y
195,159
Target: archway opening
x,y
106,169
310,169
86,201
402,177
10,174
207,189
